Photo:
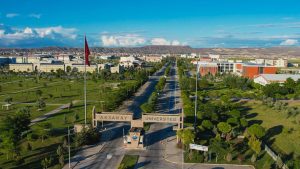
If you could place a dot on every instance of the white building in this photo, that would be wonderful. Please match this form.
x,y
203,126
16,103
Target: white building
x,y
104,57
272,62
214,57
264,79
130,61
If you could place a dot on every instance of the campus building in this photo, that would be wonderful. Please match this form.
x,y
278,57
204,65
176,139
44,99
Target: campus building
x,y
53,67
264,79
253,70
21,67
151,58
242,69
208,68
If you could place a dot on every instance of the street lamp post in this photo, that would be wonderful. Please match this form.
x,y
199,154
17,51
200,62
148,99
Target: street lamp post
x,y
196,97
102,110
69,148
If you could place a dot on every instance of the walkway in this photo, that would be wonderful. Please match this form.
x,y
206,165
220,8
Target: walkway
x,y
51,113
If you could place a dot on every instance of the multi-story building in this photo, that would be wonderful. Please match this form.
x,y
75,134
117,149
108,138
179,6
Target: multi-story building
x,y
50,67
272,62
253,70
117,69
151,58
21,67
4,60
206,68
226,67
243,69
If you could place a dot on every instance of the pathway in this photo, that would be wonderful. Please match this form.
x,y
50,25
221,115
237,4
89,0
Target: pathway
x,y
51,113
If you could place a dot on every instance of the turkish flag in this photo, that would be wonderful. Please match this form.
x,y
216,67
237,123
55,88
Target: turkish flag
x,y
86,52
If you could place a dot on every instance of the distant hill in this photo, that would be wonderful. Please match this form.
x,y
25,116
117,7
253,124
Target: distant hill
x,y
224,52
132,50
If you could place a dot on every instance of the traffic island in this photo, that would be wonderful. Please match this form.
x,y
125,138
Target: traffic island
x,y
128,162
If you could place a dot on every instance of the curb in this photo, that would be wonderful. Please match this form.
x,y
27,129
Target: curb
x,y
210,164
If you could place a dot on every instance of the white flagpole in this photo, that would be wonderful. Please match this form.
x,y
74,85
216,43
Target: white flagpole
x,y
84,84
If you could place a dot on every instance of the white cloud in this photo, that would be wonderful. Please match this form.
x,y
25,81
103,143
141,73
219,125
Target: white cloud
x,y
289,42
12,15
52,32
122,40
28,30
162,41
15,36
34,15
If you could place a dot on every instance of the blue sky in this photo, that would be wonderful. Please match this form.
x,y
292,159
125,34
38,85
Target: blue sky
x,y
114,23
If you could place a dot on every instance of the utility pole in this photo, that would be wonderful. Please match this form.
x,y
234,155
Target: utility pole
x,y
69,147
84,83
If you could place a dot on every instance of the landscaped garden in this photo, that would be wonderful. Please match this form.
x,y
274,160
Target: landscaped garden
x,y
237,118
44,144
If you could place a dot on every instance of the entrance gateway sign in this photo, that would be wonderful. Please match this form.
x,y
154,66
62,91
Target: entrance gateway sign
x,y
113,117
135,138
160,118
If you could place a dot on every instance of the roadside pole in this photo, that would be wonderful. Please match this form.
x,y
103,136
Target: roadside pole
x,y
196,97
69,147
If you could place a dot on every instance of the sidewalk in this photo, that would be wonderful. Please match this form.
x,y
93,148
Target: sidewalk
x,y
51,113
86,152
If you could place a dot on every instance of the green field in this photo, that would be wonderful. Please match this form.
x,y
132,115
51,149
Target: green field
x,y
278,125
106,95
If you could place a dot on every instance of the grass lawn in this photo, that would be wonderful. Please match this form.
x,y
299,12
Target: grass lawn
x,y
277,124
58,90
47,148
33,110
62,91
128,162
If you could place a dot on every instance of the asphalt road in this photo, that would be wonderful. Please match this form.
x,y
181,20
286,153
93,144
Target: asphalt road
x,y
112,151
169,102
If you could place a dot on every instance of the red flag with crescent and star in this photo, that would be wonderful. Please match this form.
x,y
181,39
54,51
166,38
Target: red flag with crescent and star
x,y
86,52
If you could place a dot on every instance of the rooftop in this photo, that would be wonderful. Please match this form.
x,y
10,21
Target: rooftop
x,y
280,77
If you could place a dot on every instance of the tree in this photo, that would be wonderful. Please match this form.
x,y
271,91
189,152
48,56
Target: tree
x,y
70,105
68,69
233,121
257,131
224,127
60,153
207,124
59,150
243,122
87,137
147,108
186,135
290,84
46,162
8,142
40,104
38,93
8,100
18,123
65,119
0,88
235,114
255,145
76,116
50,95
44,130
29,147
